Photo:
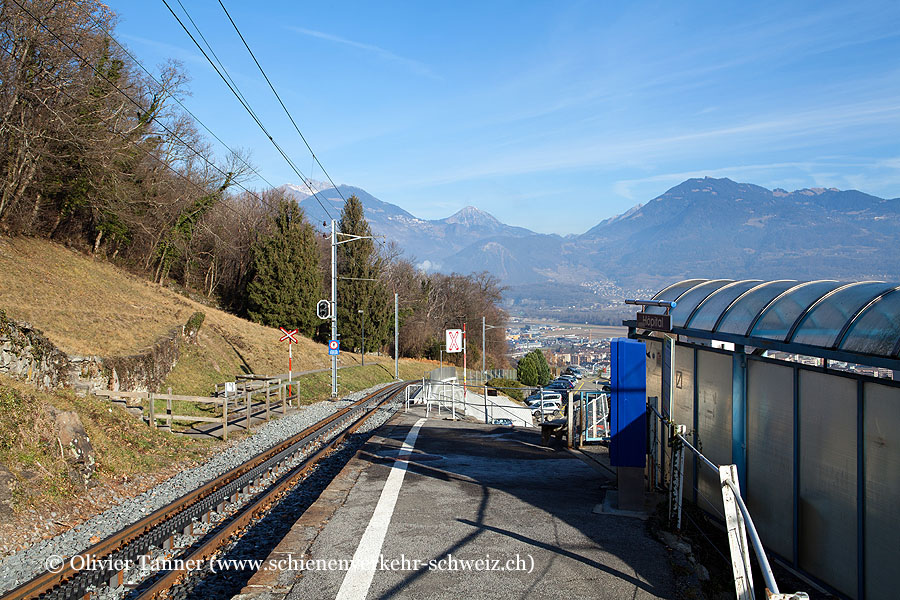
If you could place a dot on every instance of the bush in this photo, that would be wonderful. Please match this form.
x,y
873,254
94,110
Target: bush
x,y
516,394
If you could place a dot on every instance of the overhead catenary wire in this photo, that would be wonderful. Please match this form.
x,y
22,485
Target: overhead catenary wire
x,y
237,94
286,111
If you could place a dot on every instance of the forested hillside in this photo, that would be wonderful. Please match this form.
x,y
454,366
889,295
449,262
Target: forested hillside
x,y
100,153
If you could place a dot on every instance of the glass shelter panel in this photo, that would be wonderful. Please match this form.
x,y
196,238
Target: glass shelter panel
x,y
877,330
708,314
828,478
713,423
693,297
824,322
882,456
775,323
740,316
684,402
770,453
672,293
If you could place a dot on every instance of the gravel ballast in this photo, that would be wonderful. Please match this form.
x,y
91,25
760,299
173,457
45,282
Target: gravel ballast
x,y
22,566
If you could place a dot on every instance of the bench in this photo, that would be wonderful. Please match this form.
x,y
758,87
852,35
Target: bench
x,y
554,427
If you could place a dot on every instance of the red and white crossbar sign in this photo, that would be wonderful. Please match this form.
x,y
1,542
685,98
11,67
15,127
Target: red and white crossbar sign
x,y
289,336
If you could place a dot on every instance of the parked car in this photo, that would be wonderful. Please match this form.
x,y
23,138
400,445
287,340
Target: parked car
x,y
547,407
563,384
547,395
505,422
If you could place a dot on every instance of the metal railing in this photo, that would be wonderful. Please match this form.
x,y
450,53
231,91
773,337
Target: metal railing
x,y
738,521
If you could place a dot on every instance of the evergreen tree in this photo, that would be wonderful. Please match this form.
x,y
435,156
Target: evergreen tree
x,y
543,368
357,264
286,284
533,369
527,371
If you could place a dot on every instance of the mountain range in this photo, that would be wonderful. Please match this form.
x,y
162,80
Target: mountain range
x,y
700,228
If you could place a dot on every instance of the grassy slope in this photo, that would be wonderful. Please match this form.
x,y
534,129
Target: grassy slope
x,y
123,445
88,306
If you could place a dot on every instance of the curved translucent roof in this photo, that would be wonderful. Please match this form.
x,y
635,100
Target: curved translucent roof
x,y
860,317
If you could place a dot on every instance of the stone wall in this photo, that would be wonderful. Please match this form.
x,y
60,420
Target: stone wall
x,y
25,353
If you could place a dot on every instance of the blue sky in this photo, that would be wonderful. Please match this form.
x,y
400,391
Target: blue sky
x,y
550,115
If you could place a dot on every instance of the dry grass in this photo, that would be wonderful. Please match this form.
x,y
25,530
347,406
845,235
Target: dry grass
x,y
123,445
88,306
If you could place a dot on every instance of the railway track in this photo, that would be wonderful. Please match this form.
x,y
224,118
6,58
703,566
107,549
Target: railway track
x,y
219,510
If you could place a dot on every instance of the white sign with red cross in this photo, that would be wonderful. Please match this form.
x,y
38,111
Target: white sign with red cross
x,y
454,340
289,336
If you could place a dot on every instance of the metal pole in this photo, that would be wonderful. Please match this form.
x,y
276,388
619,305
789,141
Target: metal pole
x,y
334,391
396,337
465,372
363,313
482,347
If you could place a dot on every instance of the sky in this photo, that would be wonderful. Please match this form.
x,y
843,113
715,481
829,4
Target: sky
x,y
550,115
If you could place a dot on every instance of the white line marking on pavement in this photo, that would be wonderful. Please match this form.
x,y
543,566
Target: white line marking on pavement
x,y
362,570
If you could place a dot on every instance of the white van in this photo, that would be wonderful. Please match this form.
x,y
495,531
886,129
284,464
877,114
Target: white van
x,y
547,407
536,397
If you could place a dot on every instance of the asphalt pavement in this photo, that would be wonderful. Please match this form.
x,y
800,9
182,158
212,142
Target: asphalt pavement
x,y
457,493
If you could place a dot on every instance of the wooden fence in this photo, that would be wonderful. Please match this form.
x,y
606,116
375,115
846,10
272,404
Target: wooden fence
x,y
229,406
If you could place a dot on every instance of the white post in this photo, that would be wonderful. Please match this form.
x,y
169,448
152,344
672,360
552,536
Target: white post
x,y
737,536
290,367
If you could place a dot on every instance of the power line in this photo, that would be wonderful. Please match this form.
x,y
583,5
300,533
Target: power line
x,y
200,188
129,98
179,102
245,104
286,111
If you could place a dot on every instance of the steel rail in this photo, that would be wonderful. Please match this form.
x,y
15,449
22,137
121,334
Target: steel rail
x,y
134,540
248,513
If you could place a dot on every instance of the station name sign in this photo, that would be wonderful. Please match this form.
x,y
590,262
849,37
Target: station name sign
x,y
654,322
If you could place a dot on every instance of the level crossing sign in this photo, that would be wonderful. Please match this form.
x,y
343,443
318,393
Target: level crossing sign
x,y
289,336
454,340
334,347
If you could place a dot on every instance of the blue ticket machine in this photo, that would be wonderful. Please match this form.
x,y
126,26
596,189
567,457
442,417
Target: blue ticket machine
x,y
628,405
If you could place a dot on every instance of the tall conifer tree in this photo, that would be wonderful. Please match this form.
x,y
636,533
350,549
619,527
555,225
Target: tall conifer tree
x,y
286,284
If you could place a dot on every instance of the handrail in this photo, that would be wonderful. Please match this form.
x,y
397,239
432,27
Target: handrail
x,y
755,540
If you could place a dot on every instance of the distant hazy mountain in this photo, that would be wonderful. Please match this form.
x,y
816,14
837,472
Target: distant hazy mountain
x,y
433,241
700,228
719,228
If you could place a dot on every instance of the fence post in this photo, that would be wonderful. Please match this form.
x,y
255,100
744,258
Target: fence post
x,y
152,410
676,489
268,391
485,406
281,396
225,417
247,403
737,535
570,420
169,411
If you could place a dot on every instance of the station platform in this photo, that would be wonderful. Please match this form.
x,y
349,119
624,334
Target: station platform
x,y
426,499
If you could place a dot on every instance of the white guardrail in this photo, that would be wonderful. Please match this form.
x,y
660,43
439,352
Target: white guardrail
x,y
738,522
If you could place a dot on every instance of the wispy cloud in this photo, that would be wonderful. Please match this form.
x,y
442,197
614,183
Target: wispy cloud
x,y
417,67
166,49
